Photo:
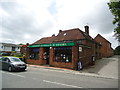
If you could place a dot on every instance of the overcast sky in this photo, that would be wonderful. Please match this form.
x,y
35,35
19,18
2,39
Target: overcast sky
x,y
25,21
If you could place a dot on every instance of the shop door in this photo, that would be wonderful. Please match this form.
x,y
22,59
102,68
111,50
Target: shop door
x,y
46,54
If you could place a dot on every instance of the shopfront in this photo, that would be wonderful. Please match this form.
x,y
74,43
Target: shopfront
x,y
54,54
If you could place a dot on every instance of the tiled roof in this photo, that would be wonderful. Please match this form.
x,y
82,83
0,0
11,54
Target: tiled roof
x,y
45,40
71,34
101,37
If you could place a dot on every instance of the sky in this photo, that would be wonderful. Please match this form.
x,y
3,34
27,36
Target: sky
x,y
26,21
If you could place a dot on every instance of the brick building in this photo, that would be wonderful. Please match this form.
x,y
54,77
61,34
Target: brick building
x,y
106,49
23,49
65,49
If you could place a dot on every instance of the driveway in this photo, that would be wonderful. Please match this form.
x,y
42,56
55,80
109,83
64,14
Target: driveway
x,y
107,67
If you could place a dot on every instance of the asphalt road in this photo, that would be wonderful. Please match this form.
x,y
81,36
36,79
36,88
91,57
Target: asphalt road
x,y
46,78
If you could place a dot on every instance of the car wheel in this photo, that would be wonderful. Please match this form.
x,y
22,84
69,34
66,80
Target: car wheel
x,y
9,68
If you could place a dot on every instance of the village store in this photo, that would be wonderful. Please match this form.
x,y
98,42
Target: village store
x,y
63,50
52,54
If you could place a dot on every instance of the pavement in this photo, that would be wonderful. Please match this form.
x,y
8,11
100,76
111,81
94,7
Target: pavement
x,y
103,68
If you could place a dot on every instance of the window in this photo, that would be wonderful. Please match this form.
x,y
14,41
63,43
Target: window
x,y
63,54
13,48
1,46
34,53
64,34
5,59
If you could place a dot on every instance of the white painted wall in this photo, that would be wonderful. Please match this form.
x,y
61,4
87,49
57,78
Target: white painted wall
x,y
8,48
17,49
1,47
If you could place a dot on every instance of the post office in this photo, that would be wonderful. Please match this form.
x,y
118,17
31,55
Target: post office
x,y
64,50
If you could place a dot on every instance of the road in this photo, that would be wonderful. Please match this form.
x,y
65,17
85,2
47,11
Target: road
x,y
47,78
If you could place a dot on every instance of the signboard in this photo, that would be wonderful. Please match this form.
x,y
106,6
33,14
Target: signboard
x,y
80,49
52,45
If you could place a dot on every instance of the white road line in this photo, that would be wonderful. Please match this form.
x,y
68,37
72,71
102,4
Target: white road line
x,y
14,74
62,84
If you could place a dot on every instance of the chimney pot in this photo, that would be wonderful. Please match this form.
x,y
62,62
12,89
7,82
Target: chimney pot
x,y
53,35
87,29
60,31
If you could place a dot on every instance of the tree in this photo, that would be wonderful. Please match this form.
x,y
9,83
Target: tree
x,y
115,10
117,50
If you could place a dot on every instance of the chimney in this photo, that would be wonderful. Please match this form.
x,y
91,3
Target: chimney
x,y
87,29
27,44
53,35
60,31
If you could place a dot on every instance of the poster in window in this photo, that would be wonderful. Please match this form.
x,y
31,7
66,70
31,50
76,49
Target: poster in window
x,y
80,49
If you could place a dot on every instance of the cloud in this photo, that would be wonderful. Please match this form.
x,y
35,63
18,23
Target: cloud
x,y
19,21
25,21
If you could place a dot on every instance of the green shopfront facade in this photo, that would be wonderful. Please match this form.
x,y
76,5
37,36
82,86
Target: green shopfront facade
x,y
53,54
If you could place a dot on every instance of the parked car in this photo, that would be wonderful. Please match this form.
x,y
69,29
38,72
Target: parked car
x,y
0,63
12,64
5,54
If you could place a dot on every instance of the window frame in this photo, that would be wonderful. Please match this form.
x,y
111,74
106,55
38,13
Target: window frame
x,y
64,55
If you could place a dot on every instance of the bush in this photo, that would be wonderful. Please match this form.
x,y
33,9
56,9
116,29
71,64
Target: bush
x,y
18,55
117,50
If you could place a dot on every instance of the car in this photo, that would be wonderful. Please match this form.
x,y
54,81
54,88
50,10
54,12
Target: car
x,y
0,63
5,54
12,64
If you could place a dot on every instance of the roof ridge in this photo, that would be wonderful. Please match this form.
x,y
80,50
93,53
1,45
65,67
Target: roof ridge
x,y
102,37
71,29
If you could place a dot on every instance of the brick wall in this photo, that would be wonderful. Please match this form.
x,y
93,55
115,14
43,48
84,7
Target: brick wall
x,y
105,49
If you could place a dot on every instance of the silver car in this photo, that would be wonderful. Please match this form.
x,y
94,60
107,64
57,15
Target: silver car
x,y
12,64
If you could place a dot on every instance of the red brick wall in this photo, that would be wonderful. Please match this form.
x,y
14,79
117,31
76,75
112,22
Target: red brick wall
x,y
87,52
42,61
31,61
105,49
85,56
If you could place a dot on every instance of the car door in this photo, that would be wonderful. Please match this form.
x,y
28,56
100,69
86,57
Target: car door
x,y
0,63
5,63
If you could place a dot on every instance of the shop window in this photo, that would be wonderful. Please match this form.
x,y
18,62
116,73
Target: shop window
x,y
34,53
63,54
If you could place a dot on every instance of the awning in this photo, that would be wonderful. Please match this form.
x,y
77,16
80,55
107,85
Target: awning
x,y
52,45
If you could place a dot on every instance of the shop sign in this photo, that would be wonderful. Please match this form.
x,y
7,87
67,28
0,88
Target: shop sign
x,y
52,45
80,49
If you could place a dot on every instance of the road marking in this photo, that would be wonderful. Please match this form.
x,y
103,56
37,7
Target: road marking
x,y
14,74
62,84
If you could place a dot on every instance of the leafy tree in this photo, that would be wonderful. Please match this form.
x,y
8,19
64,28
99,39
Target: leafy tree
x,y
117,50
115,10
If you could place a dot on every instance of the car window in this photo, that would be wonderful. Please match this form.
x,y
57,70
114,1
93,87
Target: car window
x,y
15,60
5,59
